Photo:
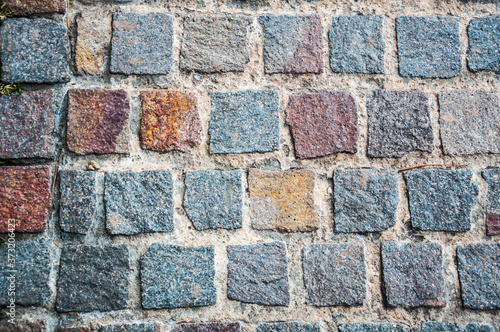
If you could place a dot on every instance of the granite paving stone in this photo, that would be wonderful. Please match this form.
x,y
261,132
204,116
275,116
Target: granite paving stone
x,y
373,327
484,44
492,177
208,327
288,327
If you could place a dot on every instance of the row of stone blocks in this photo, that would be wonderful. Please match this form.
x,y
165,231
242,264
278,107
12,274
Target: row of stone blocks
x,y
428,47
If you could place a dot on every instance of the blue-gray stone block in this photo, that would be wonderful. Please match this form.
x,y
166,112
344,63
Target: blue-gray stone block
x,y
35,51
365,200
288,327
441,200
78,201
428,47
32,276
413,274
208,327
479,273
440,327
93,278
244,122
484,44
213,199
334,274
373,327
357,44
142,43
136,327
258,273
177,277
492,177
478,328
139,202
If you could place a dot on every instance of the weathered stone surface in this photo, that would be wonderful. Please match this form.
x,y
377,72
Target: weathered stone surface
x,y
30,7
428,47
258,273
479,272
484,44
25,197
454,327
373,327
73,329
398,122
492,177
357,44
93,278
78,201
136,327
334,274
177,277
244,122
92,42
170,121
23,326
292,44
213,199
470,122
441,200
139,202
323,123
31,279
283,200
34,51
208,327
98,121
413,274
478,328
26,125
214,44
142,43
365,200
288,327
251,4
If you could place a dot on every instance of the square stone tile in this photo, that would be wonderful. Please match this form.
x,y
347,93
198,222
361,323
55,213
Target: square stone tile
x,y
484,44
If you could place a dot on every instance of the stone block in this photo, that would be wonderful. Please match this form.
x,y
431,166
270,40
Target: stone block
x,y
484,44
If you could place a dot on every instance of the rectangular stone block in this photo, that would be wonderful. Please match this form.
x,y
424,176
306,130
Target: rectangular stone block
x,y
98,121
428,47
288,327
413,274
23,326
258,273
398,123
27,125
34,51
470,122
441,200
244,122
357,44
30,7
136,327
322,123
214,44
214,199
73,329
208,327
177,277
454,327
484,43
492,177
283,200
373,327
93,278
334,274
139,202
170,121
25,198
142,43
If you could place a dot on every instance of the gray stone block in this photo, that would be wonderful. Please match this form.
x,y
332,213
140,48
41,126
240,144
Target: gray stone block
x,y
288,327
440,327
492,177
484,44
208,327
135,327
373,327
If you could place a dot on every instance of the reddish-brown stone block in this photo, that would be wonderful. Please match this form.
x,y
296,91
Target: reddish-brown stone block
x,y
29,7
24,197
493,224
170,121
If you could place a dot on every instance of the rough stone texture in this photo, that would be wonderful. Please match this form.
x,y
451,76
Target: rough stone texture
x,y
142,43
288,327
30,7
78,201
25,196
357,44
479,272
136,327
170,121
258,273
365,200
373,327
334,274
34,51
484,44
492,177
139,202
323,123
478,328
98,121
453,327
441,200
23,326
177,277
32,273
73,329
27,124
244,122
470,122
214,199
413,274
292,44
208,327
214,44
283,200
428,47
398,122
93,278
251,4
